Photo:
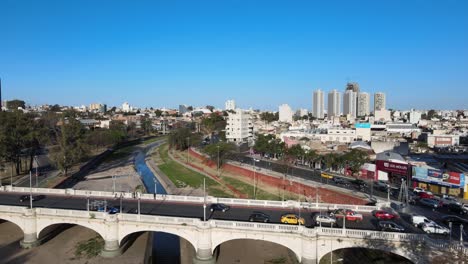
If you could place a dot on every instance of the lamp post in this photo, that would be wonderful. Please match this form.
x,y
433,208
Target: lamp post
x,y
155,188
11,176
87,201
37,175
188,148
218,159
139,198
461,234
121,197
30,190
254,176
204,200
113,183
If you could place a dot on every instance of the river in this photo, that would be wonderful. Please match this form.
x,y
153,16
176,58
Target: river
x,y
166,247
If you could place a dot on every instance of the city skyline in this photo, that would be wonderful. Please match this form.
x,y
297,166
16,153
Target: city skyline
x,y
151,53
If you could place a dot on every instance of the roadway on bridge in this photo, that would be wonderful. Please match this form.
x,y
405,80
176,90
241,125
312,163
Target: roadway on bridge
x,y
192,210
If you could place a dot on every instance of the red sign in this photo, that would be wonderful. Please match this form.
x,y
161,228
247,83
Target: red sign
x,y
443,140
392,167
454,178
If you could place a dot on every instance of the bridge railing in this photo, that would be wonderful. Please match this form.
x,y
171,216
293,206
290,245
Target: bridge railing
x,y
191,199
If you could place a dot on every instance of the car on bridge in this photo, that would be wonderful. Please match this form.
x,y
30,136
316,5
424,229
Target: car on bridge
x,y
418,220
219,207
430,202
456,208
321,219
292,219
350,215
25,198
259,217
384,215
447,200
454,219
433,228
390,226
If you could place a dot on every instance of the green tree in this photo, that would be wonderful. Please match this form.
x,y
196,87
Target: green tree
x,y
14,104
269,117
355,159
223,150
147,125
181,138
71,147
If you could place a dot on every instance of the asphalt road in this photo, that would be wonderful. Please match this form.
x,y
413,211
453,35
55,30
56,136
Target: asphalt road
x,y
165,208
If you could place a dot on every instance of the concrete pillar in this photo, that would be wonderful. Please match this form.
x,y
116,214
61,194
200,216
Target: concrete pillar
x,y
204,250
111,238
111,249
308,261
29,241
29,229
309,250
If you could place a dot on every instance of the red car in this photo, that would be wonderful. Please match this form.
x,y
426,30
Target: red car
x,y
349,214
425,195
384,215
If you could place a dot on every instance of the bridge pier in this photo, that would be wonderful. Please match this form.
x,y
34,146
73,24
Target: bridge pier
x,y
204,256
308,261
111,249
29,241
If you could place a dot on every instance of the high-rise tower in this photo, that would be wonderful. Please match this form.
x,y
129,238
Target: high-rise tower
x,y
334,104
379,101
318,104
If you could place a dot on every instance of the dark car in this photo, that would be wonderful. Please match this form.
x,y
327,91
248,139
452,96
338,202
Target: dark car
x,y
219,207
390,226
340,181
25,198
456,208
454,219
259,217
113,210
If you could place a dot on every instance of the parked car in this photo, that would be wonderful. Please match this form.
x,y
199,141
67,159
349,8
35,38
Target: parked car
x,y
349,214
384,215
113,210
456,208
433,228
259,217
360,184
321,219
465,206
219,207
326,175
427,195
338,180
292,219
418,190
454,219
418,220
429,202
448,200
381,185
390,226
25,198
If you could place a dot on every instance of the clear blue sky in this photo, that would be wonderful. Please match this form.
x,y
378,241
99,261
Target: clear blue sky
x,y
260,53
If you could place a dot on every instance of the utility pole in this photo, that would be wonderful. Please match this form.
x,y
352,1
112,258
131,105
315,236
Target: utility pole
x,y
188,148
30,190
254,176
204,200
37,175
218,159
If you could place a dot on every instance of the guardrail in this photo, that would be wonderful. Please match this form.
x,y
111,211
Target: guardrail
x,y
265,227
191,199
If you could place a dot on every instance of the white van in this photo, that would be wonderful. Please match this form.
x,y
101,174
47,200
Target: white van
x,y
417,220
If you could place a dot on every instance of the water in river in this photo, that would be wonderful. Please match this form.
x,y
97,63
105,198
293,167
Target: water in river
x,y
166,247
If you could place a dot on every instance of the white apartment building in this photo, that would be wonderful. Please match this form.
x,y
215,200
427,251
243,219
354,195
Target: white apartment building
x,y
339,135
379,101
126,107
363,104
239,127
414,116
230,105
334,104
442,140
349,103
285,113
318,106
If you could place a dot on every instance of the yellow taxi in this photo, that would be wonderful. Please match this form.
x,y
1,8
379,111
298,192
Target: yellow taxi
x,y
326,175
292,219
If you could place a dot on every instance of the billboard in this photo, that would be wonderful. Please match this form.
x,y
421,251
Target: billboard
x,y
438,177
393,167
362,125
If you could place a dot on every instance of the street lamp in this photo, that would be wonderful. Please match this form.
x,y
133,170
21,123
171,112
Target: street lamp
x,y
155,188
218,159
254,176
204,200
87,201
37,175
188,148
139,198
113,183
30,190
121,197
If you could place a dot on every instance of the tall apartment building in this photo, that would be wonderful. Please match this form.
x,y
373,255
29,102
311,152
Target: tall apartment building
x,y
285,113
318,107
352,86
239,127
379,101
334,104
349,103
230,105
363,104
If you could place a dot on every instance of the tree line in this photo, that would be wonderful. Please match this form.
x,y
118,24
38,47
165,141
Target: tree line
x,y
23,135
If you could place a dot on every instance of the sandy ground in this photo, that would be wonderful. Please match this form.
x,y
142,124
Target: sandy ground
x,y
61,248
51,252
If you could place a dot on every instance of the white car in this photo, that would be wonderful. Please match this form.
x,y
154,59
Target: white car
x,y
433,228
465,207
418,190
324,219
419,220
